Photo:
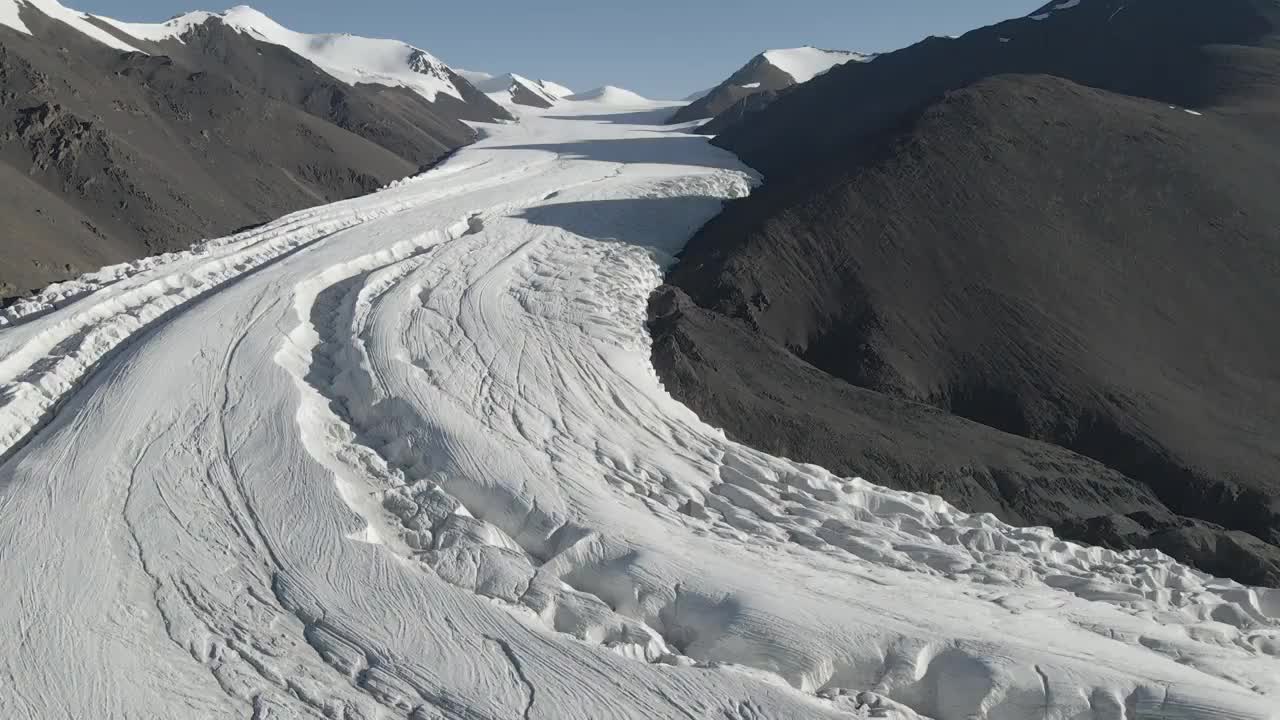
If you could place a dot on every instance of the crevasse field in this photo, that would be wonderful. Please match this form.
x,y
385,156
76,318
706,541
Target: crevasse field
x,y
405,456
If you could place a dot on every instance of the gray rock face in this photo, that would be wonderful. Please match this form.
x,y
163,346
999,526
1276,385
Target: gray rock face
x,y
1034,297
108,156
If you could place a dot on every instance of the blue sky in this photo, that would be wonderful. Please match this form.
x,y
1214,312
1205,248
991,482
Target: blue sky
x,y
659,48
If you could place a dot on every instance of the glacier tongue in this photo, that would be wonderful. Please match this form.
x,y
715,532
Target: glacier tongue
x,y
405,456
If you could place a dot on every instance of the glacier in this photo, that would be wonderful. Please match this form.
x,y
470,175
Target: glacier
x,y
405,456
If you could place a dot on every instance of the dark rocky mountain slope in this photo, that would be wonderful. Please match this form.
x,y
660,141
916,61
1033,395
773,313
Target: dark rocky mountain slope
x,y
1023,281
108,155
396,118
1186,52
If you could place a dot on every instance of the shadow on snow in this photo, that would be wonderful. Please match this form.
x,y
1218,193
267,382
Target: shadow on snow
x,y
663,224
673,149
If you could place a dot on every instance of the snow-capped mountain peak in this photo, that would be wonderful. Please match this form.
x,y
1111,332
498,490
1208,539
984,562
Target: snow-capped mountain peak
x,y
350,58
518,89
770,71
805,63
610,95
515,88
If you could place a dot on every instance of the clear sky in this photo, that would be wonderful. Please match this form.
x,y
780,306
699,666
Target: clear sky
x,y
658,48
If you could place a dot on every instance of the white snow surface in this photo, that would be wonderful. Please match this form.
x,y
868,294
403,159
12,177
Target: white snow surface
x,y
805,63
405,456
10,17
554,89
610,95
349,58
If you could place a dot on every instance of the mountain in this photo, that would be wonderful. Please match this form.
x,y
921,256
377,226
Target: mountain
x,y
1032,269
349,58
119,140
769,71
610,95
1096,43
519,89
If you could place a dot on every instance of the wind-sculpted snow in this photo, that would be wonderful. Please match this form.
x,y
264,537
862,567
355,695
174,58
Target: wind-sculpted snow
x,y
405,457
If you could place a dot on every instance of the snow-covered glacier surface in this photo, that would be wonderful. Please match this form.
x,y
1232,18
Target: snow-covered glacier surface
x,y
405,457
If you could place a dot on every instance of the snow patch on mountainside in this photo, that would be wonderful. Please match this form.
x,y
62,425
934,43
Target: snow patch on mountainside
x,y
349,58
1044,12
805,63
10,17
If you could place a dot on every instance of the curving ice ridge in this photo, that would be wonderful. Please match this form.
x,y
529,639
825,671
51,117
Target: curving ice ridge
x,y
405,457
